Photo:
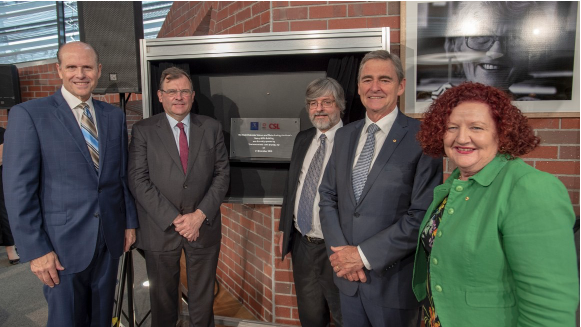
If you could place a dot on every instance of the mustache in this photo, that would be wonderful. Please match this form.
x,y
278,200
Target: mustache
x,y
321,114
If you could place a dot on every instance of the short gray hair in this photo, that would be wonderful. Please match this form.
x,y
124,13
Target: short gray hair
x,y
383,55
324,86
172,73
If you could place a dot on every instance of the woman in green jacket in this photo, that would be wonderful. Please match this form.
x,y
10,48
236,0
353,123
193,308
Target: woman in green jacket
x,y
496,247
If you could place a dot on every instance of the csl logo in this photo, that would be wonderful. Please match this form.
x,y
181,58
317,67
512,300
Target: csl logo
x,y
273,126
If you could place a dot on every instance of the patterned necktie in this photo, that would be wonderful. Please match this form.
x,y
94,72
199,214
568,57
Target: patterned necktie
x,y
305,212
184,151
90,133
361,169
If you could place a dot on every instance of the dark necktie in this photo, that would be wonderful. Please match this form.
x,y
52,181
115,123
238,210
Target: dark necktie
x,y
184,151
90,133
305,212
359,176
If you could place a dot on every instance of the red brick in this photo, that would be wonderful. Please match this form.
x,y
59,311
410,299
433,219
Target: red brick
x,y
335,24
574,195
308,25
559,167
391,22
570,182
283,288
393,7
265,18
283,276
544,123
276,4
290,13
288,322
394,36
259,7
306,3
570,123
558,137
569,152
367,9
546,152
333,11
252,23
285,300
243,15
221,14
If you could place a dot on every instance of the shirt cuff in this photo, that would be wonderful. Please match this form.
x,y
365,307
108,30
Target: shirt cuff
x,y
363,258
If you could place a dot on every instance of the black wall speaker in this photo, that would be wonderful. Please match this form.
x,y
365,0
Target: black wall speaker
x,y
9,86
114,29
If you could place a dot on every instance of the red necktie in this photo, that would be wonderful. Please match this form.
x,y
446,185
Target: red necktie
x,y
183,146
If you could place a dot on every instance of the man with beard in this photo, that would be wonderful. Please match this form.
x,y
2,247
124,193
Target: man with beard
x,y
301,235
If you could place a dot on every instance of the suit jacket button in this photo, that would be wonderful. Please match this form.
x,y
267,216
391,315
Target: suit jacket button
x,y
96,215
438,288
356,215
185,185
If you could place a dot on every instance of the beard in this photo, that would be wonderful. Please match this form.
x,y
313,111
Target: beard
x,y
324,124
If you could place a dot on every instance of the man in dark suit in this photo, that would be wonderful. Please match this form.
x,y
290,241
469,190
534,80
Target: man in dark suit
x,y
317,294
65,183
374,194
179,174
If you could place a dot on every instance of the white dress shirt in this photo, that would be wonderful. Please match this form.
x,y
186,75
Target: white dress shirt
x,y
73,102
176,130
384,125
330,134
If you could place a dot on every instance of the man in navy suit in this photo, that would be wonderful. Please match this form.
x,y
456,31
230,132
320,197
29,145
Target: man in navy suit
x,y
374,194
317,295
65,182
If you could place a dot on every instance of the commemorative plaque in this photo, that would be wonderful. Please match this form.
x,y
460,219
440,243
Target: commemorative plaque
x,y
253,138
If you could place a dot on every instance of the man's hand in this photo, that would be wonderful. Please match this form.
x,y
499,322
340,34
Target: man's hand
x,y
280,243
45,268
346,260
129,239
358,276
189,224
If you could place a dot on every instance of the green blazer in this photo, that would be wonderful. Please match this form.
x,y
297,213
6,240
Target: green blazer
x,y
504,252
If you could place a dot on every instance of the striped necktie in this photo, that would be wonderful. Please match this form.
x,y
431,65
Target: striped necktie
x,y
359,176
90,133
305,212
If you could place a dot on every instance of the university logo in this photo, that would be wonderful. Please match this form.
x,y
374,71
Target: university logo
x,y
253,125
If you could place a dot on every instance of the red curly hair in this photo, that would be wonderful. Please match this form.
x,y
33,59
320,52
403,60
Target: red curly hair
x,y
515,135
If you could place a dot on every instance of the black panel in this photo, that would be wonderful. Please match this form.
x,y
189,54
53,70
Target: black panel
x,y
114,29
9,86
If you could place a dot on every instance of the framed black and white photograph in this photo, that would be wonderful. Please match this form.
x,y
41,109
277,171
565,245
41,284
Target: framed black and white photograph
x,y
528,49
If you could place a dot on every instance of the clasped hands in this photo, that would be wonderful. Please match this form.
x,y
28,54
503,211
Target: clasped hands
x,y
347,263
188,225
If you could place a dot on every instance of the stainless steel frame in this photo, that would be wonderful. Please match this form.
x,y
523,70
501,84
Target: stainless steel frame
x,y
257,44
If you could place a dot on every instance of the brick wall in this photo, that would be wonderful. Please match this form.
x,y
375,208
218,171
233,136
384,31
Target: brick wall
x,y
249,265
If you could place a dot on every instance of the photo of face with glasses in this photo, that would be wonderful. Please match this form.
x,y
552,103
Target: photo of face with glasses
x,y
324,112
491,45
175,93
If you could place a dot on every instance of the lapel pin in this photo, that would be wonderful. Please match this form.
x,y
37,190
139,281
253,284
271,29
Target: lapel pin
x,y
394,140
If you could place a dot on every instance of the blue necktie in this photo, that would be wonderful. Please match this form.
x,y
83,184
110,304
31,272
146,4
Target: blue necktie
x,y
361,169
90,133
305,212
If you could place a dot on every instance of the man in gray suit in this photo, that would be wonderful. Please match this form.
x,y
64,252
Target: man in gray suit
x,y
179,175
374,194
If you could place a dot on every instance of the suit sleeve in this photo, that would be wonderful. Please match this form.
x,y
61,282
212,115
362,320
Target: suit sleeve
x,y
539,246
399,240
329,209
21,178
215,194
143,189
131,220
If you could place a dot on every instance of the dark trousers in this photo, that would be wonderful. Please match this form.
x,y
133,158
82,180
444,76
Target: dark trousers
x,y
85,298
317,294
163,271
362,312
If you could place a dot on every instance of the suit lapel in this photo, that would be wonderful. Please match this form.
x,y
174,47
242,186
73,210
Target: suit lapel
x,y
102,115
353,141
393,139
167,139
196,137
65,115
